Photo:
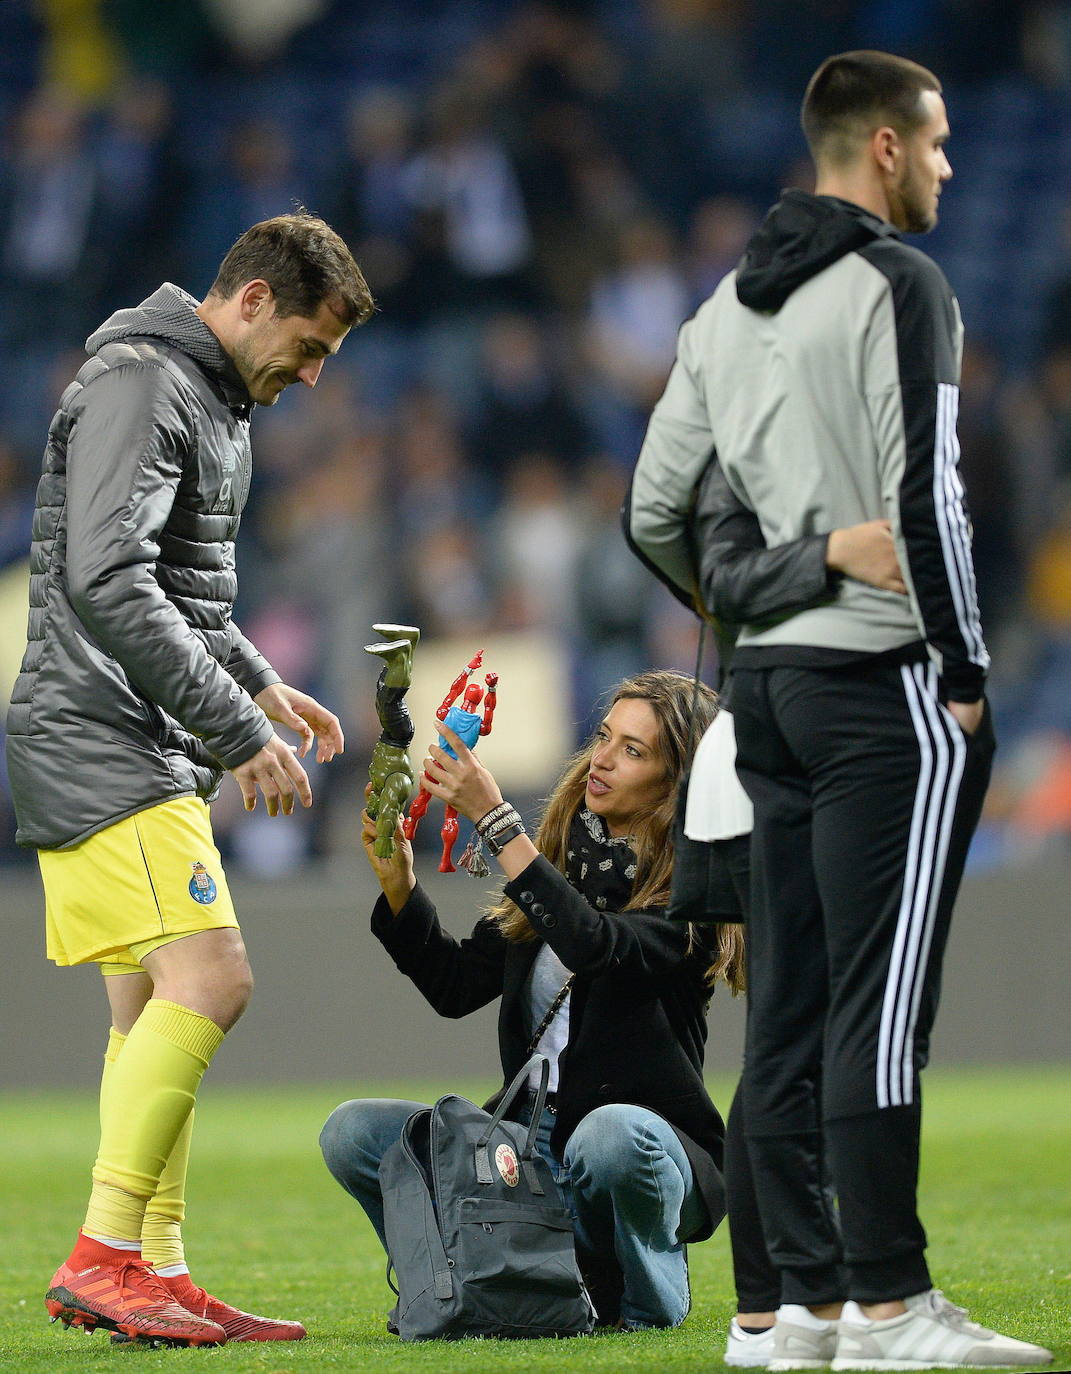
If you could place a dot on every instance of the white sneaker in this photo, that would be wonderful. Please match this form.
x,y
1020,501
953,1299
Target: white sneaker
x,y
802,1340
932,1333
747,1350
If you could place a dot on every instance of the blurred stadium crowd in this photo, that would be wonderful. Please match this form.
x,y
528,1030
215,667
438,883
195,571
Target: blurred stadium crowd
x,y
539,194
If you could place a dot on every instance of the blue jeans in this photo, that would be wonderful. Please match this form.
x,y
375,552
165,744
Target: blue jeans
x,y
624,1175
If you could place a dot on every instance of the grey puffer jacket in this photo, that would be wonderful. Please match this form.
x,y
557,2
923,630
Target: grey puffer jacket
x,y
136,686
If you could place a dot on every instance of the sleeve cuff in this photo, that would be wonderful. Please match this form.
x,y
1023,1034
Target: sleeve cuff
x,y
266,678
233,758
418,911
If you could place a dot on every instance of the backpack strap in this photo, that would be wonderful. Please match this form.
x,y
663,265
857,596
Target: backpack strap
x,y
483,1161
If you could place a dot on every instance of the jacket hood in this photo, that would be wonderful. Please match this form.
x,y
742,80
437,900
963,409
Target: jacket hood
x,y
800,237
168,314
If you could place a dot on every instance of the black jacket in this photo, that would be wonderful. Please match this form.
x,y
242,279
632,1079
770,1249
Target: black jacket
x,y
637,1017
136,684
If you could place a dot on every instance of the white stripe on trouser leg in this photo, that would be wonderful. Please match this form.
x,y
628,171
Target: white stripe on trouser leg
x,y
903,920
947,804
941,757
928,882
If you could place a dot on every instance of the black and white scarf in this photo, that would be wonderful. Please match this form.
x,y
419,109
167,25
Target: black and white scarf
x,y
601,868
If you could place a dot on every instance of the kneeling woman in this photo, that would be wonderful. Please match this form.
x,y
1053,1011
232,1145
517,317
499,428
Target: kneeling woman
x,y
592,974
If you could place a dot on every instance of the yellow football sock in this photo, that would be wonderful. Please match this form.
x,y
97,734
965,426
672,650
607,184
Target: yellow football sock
x,y
161,1230
116,1041
147,1093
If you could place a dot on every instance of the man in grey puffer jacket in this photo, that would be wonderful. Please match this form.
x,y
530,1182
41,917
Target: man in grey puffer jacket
x,y
137,692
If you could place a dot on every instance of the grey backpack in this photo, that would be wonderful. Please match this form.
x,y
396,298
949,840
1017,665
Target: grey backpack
x,y
477,1232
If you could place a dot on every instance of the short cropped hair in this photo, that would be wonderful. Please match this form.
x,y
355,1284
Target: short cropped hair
x,y
854,93
304,262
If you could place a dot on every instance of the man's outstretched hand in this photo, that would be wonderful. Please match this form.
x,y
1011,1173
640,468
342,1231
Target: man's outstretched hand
x,y
303,714
275,769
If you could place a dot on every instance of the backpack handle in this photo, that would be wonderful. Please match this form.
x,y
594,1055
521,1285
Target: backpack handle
x,y
483,1161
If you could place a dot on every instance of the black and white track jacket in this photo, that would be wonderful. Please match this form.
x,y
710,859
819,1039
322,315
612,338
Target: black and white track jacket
x,y
823,375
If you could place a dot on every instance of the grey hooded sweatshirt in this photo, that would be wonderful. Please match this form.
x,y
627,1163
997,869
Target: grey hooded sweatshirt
x,y
823,377
136,685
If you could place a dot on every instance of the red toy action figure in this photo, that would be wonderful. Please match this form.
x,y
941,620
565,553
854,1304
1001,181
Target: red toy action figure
x,y
467,722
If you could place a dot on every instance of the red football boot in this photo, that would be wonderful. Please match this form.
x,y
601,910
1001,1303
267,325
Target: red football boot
x,y
239,1326
100,1286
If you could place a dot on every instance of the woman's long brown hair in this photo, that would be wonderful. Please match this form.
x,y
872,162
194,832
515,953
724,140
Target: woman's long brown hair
x,y
670,697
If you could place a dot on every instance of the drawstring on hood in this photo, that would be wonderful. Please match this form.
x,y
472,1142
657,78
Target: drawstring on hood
x,y
169,314
800,237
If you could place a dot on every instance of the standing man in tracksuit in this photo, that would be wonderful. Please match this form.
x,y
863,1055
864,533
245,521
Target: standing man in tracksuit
x,y
823,375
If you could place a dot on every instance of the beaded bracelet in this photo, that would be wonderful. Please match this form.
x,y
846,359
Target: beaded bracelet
x,y
502,809
496,843
511,817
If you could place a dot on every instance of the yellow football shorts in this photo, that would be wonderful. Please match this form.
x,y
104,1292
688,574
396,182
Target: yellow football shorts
x,y
135,886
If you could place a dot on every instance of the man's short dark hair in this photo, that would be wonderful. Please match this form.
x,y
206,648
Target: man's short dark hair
x,y
854,93
304,262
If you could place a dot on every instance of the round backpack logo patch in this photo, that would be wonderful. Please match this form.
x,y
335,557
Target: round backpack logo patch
x,y
202,888
506,1163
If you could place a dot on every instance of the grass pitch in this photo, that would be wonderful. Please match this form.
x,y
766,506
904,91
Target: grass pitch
x,y
269,1230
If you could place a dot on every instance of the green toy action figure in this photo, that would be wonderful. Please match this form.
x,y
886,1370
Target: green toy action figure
x,y
390,771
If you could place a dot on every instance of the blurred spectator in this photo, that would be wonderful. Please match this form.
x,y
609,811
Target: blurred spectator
x,y
534,542
1031,794
297,434
717,236
433,484
1055,315
258,179
687,73
578,229
523,406
81,55
614,594
366,197
16,508
697,48
51,252
143,185
259,32
334,574
986,468
555,89
1047,43
166,41
449,584
636,310
20,54
464,175
1049,604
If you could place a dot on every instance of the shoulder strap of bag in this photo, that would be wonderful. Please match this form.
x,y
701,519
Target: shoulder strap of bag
x,y
695,687
483,1161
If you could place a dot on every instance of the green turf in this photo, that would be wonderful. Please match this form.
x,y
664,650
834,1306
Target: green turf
x,y
270,1230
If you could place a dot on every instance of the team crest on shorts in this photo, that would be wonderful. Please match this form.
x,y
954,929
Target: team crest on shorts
x,y
506,1163
202,888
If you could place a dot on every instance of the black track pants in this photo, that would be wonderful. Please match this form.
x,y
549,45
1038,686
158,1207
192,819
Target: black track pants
x,y
866,794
